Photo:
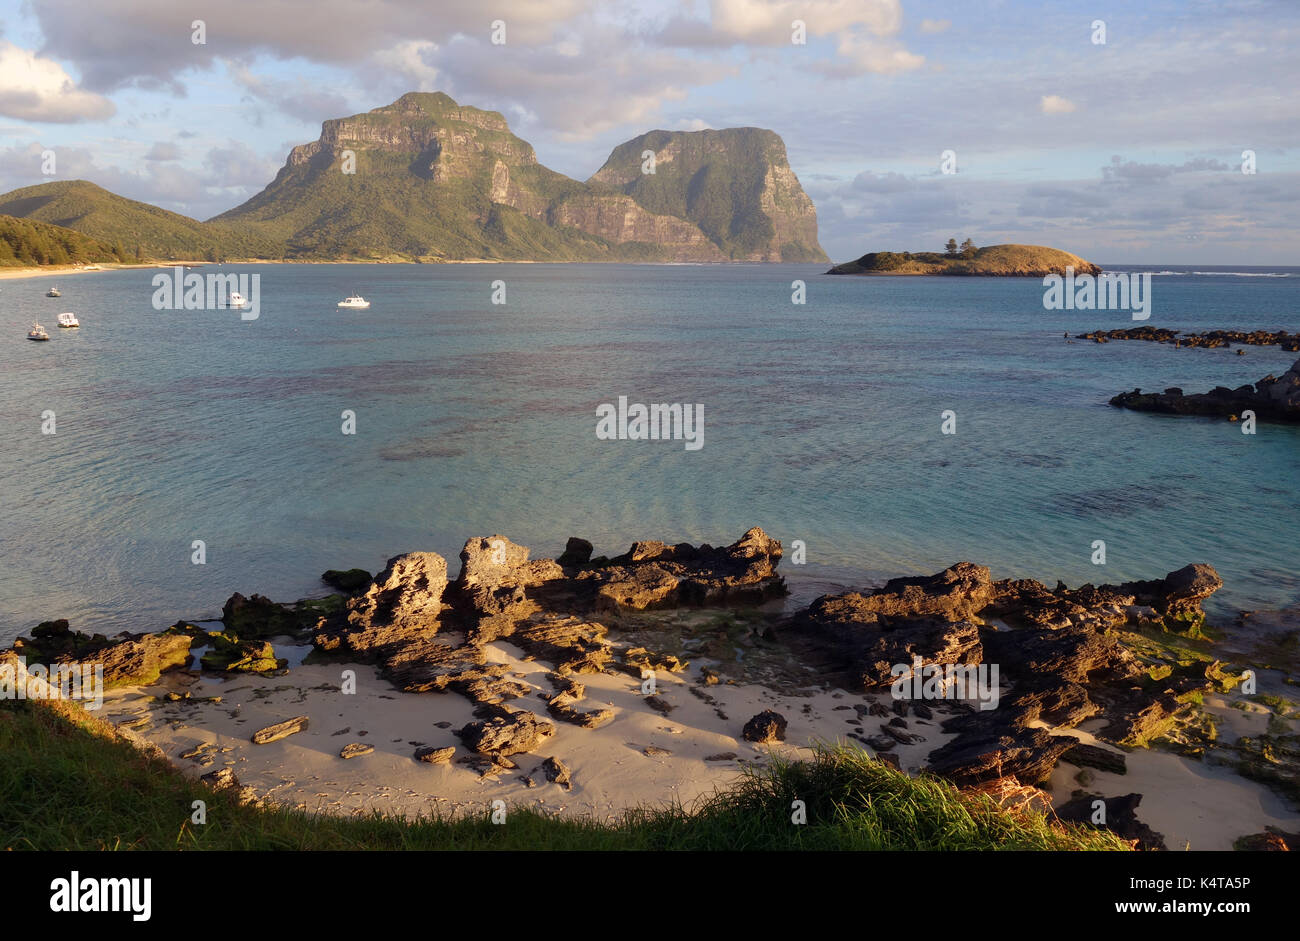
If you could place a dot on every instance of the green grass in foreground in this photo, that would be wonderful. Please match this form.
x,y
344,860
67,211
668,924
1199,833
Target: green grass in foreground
x,y
68,781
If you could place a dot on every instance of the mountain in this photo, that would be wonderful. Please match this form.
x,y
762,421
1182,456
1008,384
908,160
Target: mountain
x,y
24,242
735,185
428,179
133,227
993,260
435,180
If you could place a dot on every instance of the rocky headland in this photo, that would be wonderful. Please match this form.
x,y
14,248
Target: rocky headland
x,y
1273,397
684,654
1012,260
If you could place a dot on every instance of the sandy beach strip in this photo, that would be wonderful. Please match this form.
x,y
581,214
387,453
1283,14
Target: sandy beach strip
x,y
58,271
642,758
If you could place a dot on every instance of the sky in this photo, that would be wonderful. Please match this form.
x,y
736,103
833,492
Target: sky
x,y
1127,150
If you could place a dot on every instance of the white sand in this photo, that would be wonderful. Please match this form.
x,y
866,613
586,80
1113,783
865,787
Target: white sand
x,y
59,271
610,771
1198,805
1186,800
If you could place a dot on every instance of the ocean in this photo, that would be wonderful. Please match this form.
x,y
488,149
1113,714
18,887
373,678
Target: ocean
x,y
822,422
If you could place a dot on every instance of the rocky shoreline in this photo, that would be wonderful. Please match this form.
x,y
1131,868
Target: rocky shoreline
x,y
1085,675
1276,398
1210,339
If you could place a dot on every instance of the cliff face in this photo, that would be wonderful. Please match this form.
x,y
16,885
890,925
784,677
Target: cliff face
x,y
435,180
735,185
620,221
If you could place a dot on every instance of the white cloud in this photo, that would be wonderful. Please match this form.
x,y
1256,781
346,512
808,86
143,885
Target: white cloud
x,y
935,26
410,59
147,42
1055,104
163,151
38,89
237,167
299,98
860,54
864,31
767,22
580,98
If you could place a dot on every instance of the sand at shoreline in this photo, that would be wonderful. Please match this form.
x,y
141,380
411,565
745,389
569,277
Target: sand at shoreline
x,y
48,271
55,271
1189,802
610,768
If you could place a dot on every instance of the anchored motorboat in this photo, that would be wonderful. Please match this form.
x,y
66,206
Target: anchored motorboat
x,y
237,300
355,302
69,320
37,333
53,292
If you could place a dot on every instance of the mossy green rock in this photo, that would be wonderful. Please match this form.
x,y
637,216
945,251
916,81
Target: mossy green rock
x,y
261,618
127,660
231,655
351,581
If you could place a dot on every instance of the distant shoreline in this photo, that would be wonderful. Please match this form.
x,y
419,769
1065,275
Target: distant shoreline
x,y
45,271
54,271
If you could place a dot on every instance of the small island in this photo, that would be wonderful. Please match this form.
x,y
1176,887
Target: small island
x,y
1026,261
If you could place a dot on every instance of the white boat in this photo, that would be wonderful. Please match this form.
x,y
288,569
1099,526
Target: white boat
x,y
53,292
69,320
237,300
355,302
37,333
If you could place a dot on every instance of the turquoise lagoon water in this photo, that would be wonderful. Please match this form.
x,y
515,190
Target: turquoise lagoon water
x,y
821,423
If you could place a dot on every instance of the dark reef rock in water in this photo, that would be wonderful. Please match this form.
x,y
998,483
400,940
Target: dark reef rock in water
x,y
576,552
1276,398
349,581
1211,339
259,617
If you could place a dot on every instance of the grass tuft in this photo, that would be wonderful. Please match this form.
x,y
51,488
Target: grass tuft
x,y
70,781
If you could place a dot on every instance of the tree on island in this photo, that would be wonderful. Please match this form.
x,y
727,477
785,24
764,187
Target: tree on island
x,y
951,247
968,249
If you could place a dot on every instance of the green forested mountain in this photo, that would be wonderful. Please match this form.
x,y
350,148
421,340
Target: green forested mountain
x,y
428,179
25,243
432,181
138,228
735,184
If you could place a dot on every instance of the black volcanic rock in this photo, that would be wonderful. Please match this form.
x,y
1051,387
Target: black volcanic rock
x,y
767,726
1276,398
1121,818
